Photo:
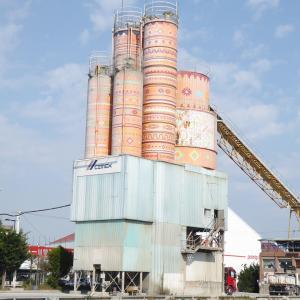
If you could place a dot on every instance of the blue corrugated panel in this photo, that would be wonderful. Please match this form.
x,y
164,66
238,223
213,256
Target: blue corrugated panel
x,y
109,243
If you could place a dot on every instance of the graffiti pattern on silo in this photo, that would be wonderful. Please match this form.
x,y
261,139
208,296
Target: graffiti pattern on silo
x,y
193,91
196,138
195,124
98,112
127,38
127,113
160,80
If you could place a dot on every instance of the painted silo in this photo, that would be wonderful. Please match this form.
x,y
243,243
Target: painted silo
x,y
160,80
127,112
193,90
97,141
127,38
196,126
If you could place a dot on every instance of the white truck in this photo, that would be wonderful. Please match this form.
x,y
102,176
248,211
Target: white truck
x,y
284,284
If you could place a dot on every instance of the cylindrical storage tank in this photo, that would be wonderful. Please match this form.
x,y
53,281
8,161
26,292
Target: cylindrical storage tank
x,y
127,38
127,113
192,91
97,142
196,126
160,75
160,80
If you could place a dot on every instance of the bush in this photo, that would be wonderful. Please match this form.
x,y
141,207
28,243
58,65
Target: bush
x,y
248,279
60,263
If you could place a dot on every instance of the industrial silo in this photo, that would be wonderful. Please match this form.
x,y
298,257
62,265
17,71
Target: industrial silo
x,y
127,38
195,124
97,141
160,79
128,84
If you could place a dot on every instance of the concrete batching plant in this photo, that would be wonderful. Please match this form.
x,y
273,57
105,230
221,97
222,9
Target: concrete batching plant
x,y
150,209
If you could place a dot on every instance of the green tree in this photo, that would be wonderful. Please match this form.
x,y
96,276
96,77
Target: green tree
x,y
13,251
248,279
60,262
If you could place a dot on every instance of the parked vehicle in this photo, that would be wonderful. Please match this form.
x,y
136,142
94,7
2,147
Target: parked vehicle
x,y
230,285
284,284
83,284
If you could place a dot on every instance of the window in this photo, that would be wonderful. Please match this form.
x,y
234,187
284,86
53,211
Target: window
x,y
207,212
269,264
286,264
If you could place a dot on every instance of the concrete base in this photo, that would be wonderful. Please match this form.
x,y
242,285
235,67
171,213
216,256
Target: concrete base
x,y
75,292
203,288
16,289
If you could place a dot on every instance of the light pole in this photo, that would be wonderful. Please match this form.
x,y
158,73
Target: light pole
x,y
17,229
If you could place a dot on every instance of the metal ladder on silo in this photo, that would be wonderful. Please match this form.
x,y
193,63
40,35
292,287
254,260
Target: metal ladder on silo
x,y
253,166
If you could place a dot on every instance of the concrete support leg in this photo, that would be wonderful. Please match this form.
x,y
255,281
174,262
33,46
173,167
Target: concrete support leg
x,y
141,282
94,280
123,283
14,279
75,281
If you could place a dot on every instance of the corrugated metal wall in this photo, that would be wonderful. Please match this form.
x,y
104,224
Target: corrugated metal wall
x,y
135,219
150,191
116,245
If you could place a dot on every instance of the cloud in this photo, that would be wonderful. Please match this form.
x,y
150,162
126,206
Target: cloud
x,y
251,52
10,31
102,11
283,30
261,6
200,34
19,12
9,37
257,115
239,38
62,101
262,65
18,142
288,169
84,37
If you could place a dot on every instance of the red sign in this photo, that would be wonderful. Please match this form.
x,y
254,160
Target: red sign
x,y
42,250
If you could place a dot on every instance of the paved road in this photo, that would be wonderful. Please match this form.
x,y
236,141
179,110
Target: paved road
x,y
51,295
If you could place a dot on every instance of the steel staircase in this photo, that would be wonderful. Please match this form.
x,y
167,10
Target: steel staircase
x,y
211,242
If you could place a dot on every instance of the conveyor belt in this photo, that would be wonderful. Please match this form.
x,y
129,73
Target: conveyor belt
x,y
254,167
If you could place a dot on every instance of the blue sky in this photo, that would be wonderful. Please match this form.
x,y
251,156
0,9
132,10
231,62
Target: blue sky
x,y
253,51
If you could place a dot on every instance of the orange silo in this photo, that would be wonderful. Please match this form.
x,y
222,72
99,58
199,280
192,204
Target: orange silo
x,y
195,124
127,38
160,79
97,141
128,84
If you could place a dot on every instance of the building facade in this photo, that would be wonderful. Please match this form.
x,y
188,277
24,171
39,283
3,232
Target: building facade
x,y
150,225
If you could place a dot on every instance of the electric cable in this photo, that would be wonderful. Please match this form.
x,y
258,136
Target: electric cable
x,y
33,211
49,216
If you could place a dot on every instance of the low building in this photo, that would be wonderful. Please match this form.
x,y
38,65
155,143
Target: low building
x,y
280,266
242,243
66,242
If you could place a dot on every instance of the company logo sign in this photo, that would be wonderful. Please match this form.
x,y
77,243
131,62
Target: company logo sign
x,y
98,166
95,165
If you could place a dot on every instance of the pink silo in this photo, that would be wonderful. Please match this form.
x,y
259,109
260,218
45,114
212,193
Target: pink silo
x,y
128,84
195,124
98,119
160,80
